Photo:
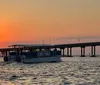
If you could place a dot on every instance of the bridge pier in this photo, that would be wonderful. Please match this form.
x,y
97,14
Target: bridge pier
x,y
69,52
93,51
4,53
63,52
82,51
7,53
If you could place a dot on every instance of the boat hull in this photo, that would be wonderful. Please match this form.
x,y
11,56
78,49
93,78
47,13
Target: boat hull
x,y
35,57
40,60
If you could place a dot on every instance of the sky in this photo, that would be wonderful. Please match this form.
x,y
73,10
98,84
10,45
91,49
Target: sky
x,y
54,21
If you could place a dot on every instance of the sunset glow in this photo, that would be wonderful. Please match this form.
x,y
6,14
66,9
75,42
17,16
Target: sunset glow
x,y
30,21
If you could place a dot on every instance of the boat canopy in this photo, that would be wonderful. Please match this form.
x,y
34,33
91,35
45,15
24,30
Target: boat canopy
x,y
30,45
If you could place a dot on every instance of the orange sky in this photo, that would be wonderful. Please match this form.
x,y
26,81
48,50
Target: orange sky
x,y
35,20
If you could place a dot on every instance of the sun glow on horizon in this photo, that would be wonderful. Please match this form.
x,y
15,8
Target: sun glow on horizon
x,y
36,20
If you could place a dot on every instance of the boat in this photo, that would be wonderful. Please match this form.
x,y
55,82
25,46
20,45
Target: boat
x,y
33,54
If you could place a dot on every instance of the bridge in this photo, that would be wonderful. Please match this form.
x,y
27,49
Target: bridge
x,y
81,45
21,47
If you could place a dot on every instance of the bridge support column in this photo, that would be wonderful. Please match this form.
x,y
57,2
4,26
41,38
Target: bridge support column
x,y
69,52
7,53
4,53
0,53
93,51
63,52
82,51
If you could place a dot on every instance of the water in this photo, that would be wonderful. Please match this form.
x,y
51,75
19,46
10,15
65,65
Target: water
x,y
72,71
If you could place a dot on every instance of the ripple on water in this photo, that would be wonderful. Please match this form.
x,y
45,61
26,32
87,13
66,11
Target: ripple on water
x,y
70,72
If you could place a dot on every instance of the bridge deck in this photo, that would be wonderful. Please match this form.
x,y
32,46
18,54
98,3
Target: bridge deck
x,y
51,46
78,44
